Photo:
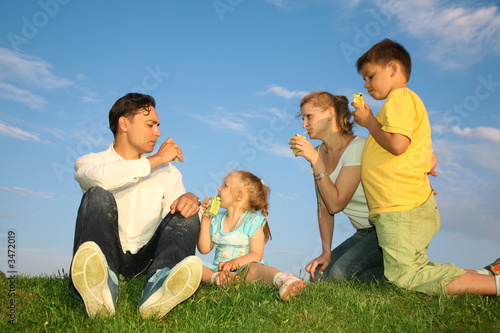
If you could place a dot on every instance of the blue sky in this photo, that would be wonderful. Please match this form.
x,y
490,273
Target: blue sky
x,y
228,76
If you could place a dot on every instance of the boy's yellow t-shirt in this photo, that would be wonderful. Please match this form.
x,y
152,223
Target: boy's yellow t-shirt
x,y
398,183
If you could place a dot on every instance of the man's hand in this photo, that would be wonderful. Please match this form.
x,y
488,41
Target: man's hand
x,y
187,205
168,152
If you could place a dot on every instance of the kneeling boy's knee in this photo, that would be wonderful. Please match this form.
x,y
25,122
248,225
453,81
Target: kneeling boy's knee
x,y
403,280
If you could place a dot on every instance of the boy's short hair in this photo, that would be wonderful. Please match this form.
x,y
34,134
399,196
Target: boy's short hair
x,y
383,53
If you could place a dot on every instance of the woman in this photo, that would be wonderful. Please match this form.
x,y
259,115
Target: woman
x,y
337,176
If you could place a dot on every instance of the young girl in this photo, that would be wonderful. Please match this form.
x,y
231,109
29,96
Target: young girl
x,y
239,236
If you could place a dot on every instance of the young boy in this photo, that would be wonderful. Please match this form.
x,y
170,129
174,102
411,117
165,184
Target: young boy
x,y
395,162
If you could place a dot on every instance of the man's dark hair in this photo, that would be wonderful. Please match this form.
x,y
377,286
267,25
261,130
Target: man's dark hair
x,y
383,53
128,106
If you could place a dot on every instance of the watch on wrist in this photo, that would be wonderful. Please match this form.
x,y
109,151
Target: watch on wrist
x,y
320,176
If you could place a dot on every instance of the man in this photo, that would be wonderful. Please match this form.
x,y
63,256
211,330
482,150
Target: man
x,y
135,217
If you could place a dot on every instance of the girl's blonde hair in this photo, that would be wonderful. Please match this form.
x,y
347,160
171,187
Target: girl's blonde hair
x,y
258,195
340,104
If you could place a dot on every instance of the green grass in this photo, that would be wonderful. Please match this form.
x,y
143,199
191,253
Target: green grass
x,y
43,304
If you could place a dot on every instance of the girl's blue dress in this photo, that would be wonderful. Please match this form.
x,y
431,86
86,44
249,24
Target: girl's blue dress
x,y
235,243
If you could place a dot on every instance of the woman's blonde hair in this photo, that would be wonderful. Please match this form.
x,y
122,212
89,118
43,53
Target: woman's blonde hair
x,y
258,195
340,104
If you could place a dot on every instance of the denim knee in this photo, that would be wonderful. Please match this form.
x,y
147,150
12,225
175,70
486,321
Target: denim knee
x,y
98,196
187,224
340,272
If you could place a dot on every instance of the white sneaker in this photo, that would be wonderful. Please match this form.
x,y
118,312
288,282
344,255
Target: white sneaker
x,y
91,278
169,287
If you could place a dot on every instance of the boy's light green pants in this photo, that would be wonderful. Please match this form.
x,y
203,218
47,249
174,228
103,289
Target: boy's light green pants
x,y
404,238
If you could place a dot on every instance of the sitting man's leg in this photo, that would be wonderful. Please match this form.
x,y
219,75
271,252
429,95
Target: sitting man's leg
x,y
175,273
96,253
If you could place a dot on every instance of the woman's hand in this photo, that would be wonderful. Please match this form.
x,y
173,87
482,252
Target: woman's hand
x,y
305,148
323,261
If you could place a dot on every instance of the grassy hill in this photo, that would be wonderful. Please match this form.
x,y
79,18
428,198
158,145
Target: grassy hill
x,y
42,304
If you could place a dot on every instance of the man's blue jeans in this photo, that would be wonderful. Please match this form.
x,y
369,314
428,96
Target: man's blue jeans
x,y
358,257
97,221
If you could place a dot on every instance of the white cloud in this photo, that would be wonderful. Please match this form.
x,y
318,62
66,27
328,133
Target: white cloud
x,y
468,187
289,4
485,133
281,150
12,93
89,99
18,133
453,35
278,3
282,92
480,156
481,132
26,192
293,197
222,122
20,73
27,70
230,124
469,172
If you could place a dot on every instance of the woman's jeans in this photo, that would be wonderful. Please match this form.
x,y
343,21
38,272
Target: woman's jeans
x,y
97,221
358,257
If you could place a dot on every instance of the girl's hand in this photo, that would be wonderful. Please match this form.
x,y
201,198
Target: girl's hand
x,y
363,116
323,261
305,148
205,203
226,277
230,265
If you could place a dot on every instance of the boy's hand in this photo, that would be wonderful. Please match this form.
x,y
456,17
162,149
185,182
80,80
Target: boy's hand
x,y
363,116
434,163
434,174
